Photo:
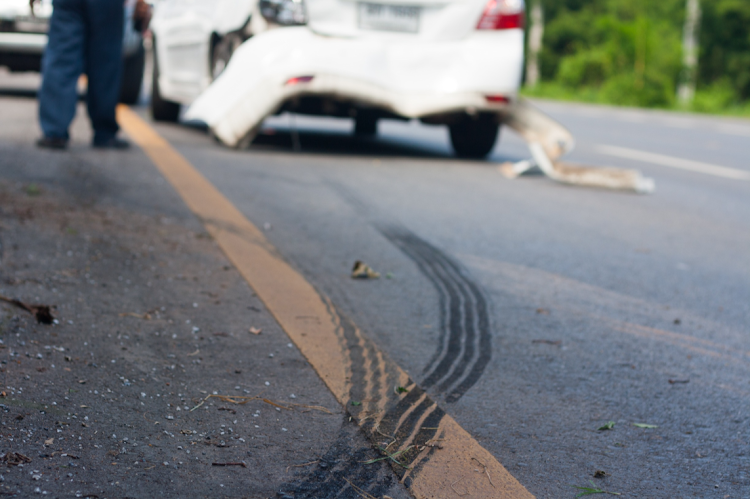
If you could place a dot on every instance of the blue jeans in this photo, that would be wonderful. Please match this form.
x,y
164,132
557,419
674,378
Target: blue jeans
x,y
85,36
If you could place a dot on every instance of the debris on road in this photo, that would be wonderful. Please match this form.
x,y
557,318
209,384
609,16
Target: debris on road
x,y
241,463
644,425
363,271
548,141
587,491
14,459
302,465
608,426
600,474
486,471
255,330
678,381
42,313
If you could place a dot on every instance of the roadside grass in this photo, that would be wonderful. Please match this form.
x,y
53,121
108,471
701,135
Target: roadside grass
x,y
712,101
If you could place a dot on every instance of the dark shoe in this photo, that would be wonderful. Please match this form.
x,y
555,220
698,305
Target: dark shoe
x,y
113,143
58,143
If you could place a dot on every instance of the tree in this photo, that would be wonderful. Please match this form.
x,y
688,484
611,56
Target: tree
x,y
686,91
724,60
536,34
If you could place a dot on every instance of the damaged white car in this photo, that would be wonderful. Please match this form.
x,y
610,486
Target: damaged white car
x,y
445,62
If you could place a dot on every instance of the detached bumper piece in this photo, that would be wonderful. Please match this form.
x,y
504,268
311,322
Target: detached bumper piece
x,y
549,140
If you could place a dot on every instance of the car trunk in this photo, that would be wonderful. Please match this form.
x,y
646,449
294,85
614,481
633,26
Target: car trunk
x,y
433,20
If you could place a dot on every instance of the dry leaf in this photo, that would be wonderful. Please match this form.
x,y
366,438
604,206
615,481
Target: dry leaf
x,y
255,330
363,271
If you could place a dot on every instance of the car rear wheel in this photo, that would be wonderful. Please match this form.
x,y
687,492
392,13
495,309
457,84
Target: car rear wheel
x,y
474,137
365,126
161,109
132,76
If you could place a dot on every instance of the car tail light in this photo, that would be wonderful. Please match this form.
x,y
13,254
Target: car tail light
x,y
299,79
502,14
497,99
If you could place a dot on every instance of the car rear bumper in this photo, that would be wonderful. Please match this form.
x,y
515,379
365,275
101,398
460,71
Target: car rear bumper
x,y
410,79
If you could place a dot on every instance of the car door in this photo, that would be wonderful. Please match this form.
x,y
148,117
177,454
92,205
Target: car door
x,y
182,31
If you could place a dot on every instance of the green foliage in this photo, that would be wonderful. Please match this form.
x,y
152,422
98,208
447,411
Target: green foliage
x,y
725,46
629,52
715,97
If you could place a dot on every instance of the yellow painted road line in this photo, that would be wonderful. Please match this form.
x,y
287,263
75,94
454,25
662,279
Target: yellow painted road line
x,y
672,162
349,363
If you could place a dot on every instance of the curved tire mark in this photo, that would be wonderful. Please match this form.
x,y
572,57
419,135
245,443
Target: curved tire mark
x,y
465,346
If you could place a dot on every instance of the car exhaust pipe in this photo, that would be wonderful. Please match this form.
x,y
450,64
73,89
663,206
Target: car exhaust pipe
x,y
548,140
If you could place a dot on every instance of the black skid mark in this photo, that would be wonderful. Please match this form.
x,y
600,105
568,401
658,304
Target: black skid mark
x,y
465,346
396,404
341,465
398,418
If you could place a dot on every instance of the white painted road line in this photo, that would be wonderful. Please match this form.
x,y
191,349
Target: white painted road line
x,y
672,162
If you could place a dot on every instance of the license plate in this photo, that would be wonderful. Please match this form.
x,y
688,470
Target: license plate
x,y
382,17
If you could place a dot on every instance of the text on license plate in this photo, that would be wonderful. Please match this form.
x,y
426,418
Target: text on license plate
x,y
383,17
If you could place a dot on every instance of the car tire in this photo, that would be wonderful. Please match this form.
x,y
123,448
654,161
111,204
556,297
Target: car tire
x,y
161,109
474,137
365,126
133,67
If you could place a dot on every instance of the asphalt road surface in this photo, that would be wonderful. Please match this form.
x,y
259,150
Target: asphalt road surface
x,y
535,313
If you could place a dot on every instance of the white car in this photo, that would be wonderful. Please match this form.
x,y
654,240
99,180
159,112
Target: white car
x,y
450,62
23,38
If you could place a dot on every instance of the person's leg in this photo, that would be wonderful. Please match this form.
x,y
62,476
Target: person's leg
x,y
104,66
62,65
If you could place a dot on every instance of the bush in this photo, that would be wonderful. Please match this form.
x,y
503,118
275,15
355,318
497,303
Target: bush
x,y
629,52
651,90
591,67
715,98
